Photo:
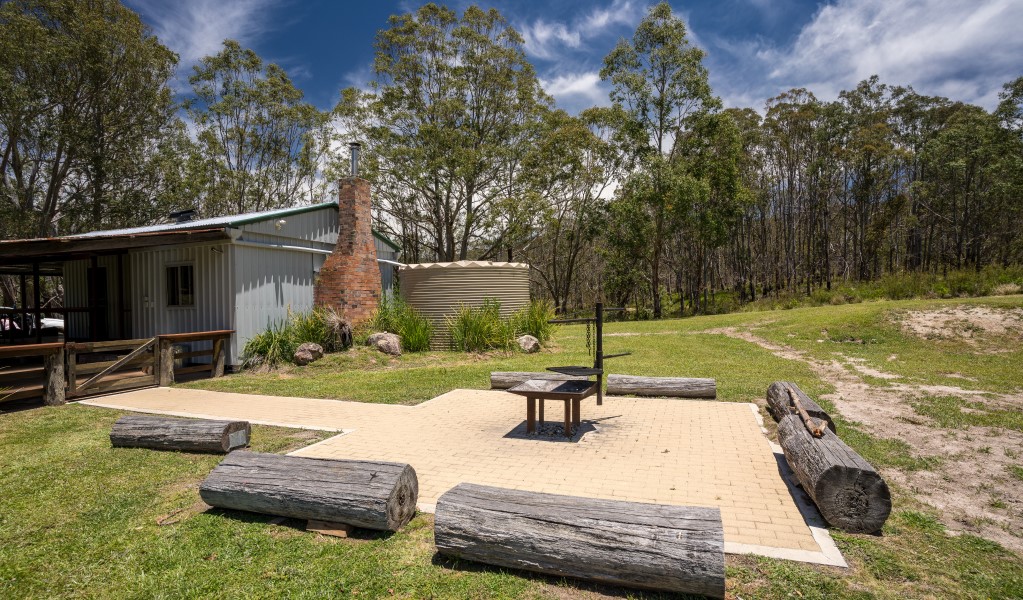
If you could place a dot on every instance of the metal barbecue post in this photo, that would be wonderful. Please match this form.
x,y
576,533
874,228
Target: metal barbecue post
x,y
598,360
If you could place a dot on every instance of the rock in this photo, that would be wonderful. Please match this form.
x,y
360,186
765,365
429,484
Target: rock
x,y
529,344
308,352
388,343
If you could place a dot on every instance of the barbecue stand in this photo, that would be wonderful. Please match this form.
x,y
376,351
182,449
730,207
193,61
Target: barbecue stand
x,y
571,392
598,356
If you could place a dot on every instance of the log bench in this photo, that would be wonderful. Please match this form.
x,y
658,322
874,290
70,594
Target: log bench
x,y
369,494
780,405
502,380
186,435
676,387
651,546
849,492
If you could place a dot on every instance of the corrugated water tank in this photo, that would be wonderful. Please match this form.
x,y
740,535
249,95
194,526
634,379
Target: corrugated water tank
x,y
438,289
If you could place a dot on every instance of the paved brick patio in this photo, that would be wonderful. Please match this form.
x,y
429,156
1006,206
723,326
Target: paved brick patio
x,y
646,450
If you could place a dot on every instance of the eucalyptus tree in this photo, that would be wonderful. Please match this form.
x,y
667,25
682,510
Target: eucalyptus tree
x,y
84,102
567,177
254,134
661,86
450,115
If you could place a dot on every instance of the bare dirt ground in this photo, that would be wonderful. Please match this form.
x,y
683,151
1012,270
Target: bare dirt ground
x,y
970,485
970,324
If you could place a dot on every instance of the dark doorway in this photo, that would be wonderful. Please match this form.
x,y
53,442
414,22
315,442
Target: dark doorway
x,y
98,300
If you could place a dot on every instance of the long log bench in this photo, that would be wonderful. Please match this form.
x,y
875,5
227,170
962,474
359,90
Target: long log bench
x,y
675,387
187,435
369,494
651,546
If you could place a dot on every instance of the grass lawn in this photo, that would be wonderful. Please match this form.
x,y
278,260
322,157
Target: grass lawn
x,y
81,519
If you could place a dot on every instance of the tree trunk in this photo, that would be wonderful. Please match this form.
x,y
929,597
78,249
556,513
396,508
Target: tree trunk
x,y
370,494
678,387
780,405
652,546
849,492
187,435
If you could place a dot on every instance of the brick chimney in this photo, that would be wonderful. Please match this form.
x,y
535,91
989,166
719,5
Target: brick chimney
x,y
350,278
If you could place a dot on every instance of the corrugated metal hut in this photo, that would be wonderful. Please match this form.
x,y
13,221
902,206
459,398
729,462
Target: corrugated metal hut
x,y
237,272
439,289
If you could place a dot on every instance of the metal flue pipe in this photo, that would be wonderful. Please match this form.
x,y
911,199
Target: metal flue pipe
x,y
355,147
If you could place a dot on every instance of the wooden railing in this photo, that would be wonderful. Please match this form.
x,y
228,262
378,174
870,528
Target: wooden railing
x,y
169,354
75,369
27,379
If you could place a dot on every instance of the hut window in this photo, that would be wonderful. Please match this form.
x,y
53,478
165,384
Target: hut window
x,y
180,285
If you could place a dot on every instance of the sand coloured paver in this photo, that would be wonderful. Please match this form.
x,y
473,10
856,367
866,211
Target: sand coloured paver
x,y
640,449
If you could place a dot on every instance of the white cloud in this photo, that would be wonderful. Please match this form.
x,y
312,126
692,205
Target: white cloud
x,y
541,38
197,28
961,49
576,91
621,12
544,39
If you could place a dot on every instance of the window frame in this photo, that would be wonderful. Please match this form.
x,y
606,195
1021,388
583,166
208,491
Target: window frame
x,y
174,292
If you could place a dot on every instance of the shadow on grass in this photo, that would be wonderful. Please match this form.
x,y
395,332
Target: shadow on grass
x,y
299,525
614,591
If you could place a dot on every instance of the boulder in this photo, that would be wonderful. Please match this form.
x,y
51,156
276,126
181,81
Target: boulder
x,y
308,352
388,343
529,344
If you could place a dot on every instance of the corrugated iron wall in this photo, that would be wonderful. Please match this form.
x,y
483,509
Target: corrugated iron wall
x,y
438,289
269,282
214,291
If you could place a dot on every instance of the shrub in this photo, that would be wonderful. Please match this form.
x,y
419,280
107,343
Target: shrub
x,y
274,346
415,330
535,320
481,328
1006,289
397,316
277,343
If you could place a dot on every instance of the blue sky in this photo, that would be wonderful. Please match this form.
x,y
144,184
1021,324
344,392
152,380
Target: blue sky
x,y
962,49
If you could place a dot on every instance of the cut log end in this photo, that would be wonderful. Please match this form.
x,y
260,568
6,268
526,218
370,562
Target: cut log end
x,y
848,491
854,500
401,504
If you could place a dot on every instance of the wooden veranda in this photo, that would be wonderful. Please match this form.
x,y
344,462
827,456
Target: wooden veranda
x,y
55,372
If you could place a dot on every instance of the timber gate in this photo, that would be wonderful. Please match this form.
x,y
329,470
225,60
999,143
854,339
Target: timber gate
x,y
99,367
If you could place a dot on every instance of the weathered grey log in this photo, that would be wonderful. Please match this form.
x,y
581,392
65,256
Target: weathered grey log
x,y
780,405
849,492
374,495
678,387
502,380
652,546
188,435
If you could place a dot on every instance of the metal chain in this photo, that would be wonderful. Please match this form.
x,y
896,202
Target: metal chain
x,y
588,337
